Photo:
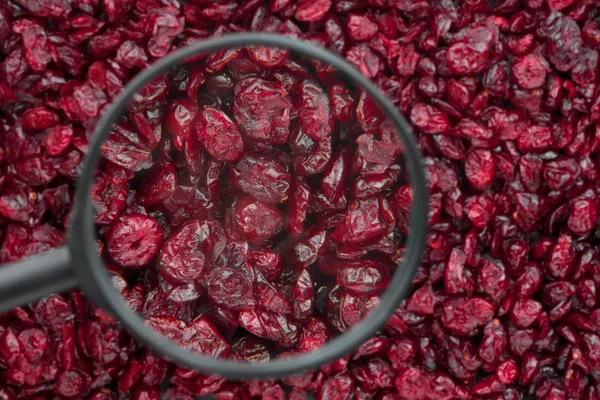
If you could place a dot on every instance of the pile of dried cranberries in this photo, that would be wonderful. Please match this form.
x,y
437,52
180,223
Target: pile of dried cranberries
x,y
504,102
239,200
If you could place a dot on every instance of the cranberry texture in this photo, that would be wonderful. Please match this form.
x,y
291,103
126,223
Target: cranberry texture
x,y
252,205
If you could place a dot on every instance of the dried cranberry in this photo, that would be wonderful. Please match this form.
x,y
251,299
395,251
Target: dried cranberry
x,y
133,240
255,221
314,111
158,184
179,118
262,177
267,262
39,118
272,326
429,119
183,256
530,71
365,219
231,289
219,135
262,110
363,277
309,11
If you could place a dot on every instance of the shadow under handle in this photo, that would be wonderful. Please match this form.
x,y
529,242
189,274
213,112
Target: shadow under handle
x,y
25,281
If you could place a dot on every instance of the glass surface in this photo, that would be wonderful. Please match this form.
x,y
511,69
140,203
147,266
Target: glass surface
x,y
251,204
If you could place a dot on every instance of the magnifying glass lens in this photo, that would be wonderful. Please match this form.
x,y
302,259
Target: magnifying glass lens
x,y
252,204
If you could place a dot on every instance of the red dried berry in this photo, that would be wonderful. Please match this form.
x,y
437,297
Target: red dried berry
x,y
255,221
263,177
179,118
262,110
363,277
583,217
158,184
219,135
364,220
480,168
429,119
310,11
183,255
133,240
314,111
530,71
39,118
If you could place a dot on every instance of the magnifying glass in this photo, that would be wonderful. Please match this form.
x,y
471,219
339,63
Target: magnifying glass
x,y
250,206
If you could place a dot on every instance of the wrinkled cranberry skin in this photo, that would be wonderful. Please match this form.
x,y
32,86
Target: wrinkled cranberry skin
x,y
267,263
297,206
314,111
133,240
363,277
262,110
429,119
230,289
158,185
184,254
179,119
364,220
38,119
262,177
342,103
219,135
254,220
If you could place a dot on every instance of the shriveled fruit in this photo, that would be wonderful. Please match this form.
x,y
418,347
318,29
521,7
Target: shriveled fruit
x,y
219,135
133,240
254,220
263,177
183,256
262,110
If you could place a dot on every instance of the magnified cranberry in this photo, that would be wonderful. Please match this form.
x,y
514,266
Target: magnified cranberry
x,y
158,185
342,103
231,289
364,220
188,203
219,135
272,326
133,240
297,206
126,153
184,254
363,277
314,111
262,110
179,118
314,335
254,220
267,262
263,177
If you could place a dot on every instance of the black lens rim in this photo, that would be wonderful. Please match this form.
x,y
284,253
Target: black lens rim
x,y
96,283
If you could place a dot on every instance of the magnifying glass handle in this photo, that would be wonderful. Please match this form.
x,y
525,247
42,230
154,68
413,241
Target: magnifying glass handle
x,y
25,281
